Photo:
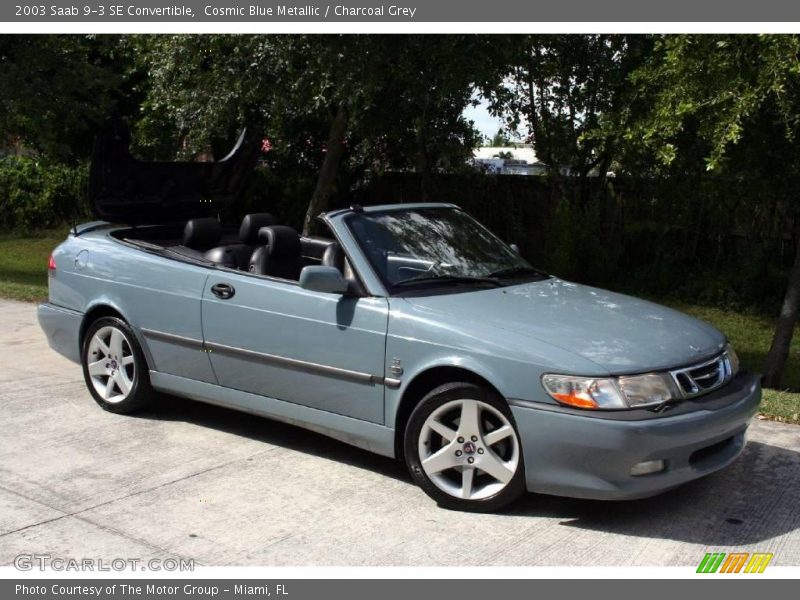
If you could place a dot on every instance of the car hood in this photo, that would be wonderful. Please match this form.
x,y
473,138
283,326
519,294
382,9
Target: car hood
x,y
123,189
619,333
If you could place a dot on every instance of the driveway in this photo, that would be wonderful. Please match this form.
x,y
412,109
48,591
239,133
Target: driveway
x,y
224,488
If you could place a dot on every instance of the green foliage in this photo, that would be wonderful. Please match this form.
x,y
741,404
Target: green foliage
x,y
325,102
55,90
282,192
750,334
37,194
201,88
499,139
205,87
717,87
567,92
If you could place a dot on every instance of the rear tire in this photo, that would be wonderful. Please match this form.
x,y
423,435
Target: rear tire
x,y
114,367
463,449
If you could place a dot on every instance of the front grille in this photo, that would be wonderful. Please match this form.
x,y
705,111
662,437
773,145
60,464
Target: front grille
x,y
704,377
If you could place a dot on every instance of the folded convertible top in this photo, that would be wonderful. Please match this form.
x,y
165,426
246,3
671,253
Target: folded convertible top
x,y
124,189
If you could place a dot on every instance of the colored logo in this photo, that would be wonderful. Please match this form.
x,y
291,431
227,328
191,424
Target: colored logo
x,y
736,562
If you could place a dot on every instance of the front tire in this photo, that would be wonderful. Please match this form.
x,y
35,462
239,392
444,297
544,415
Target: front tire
x,y
463,449
114,367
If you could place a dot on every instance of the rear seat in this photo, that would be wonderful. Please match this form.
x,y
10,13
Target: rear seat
x,y
202,237
201,240
237,255
199,235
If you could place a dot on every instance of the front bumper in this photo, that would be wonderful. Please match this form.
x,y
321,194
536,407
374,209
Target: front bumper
x,y
62,327
568,454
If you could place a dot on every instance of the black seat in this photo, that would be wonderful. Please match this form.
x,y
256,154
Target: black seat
x,y
334,257
281,257
237,256
202,234
248,236
251,225
198,236
314,247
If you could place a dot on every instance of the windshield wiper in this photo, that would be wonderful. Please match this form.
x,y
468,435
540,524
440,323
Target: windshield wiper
x,y
447,279
517,271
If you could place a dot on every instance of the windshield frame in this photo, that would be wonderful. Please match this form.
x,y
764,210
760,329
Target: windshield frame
x,y
432,287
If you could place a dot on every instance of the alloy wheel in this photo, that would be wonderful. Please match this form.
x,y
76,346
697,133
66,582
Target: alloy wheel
x,y
469,449
111,364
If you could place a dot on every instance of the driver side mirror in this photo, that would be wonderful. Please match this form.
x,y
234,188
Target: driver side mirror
x,y
514,247
318,278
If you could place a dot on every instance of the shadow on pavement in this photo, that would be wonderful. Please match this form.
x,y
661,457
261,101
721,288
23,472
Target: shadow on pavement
x,y
171,408
754,499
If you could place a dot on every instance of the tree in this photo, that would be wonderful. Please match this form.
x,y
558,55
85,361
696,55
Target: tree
x,y
416,121
201,89
55,90
500,139
730,90
562,87
323,99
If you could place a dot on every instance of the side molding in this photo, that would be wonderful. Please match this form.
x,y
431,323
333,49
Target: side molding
x,y
273,359
171,338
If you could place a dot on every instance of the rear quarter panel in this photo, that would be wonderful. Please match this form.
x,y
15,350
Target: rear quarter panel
x,y
149,291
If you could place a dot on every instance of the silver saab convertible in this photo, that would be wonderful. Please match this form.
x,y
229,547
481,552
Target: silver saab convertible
x,y
408,330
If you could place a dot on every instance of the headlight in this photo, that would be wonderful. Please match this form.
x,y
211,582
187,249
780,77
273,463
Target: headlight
x,y
644,390
733,359
584,392
608,392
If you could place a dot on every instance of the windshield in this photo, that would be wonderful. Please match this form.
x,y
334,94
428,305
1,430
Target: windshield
x,y
419,248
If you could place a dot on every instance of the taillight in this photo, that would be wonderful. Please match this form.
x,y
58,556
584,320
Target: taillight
x,y
51,264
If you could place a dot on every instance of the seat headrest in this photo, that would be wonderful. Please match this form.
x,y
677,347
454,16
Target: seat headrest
x,y
202,234
334,257
251,224
282,241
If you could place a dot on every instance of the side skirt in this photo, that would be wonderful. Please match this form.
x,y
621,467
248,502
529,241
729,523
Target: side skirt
x,y
362,434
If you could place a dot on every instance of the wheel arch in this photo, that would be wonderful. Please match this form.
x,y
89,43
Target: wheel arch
x,y
98,311
424,382
108,309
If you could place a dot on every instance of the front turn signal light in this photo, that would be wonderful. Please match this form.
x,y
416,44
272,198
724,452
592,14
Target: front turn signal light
x,y
584,392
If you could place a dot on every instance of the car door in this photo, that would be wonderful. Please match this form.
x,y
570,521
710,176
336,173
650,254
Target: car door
x,y
273,338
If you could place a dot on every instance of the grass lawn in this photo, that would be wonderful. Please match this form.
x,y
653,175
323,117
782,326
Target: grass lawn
x,y
23,276
781,406
23,263
750,336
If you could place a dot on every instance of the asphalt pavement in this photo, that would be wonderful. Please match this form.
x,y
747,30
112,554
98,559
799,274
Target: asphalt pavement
x,y
193,481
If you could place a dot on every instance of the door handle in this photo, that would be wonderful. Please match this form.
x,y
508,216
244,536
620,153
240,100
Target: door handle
x,y
223,290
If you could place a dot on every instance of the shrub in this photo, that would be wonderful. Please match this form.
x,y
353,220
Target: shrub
x,y
36,194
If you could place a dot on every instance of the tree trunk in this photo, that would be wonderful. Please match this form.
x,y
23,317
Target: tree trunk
x,y
423,165
779,350
329,169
